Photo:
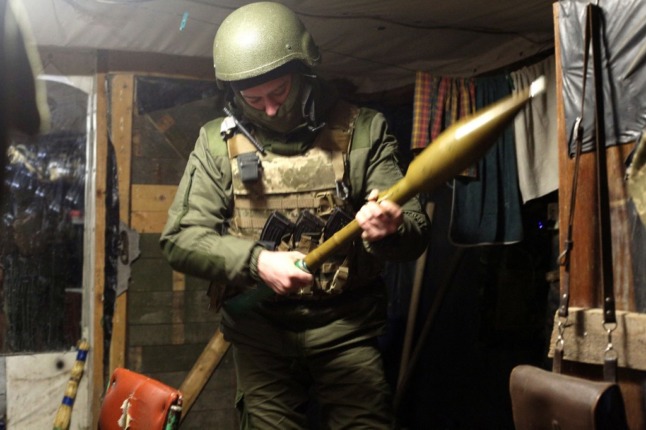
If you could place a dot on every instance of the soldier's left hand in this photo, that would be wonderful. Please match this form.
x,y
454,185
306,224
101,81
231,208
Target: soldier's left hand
x,y
378,220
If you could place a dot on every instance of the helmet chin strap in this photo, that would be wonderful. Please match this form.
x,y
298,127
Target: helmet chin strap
x,y
299,109
308,105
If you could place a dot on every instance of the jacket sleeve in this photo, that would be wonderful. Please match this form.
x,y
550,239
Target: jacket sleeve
x,y
379,161
193,239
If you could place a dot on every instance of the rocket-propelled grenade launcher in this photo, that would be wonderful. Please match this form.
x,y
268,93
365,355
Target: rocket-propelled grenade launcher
x,y
455,149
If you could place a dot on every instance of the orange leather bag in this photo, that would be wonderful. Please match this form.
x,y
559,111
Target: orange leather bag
x,y
136,402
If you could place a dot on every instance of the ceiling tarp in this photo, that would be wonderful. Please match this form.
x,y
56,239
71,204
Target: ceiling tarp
x,y
377,44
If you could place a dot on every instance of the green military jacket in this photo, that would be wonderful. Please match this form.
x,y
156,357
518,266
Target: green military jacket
x,y
194,239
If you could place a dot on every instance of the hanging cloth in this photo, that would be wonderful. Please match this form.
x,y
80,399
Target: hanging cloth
x,y
535,133
438,103
487,209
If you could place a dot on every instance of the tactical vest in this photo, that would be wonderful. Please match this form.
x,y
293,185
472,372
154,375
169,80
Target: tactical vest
x,y
312,181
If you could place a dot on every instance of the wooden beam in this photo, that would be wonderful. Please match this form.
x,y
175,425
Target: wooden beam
x,y
151,64
586,338
121,101
97,351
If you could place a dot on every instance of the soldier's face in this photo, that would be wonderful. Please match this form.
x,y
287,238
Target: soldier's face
x,y
268,96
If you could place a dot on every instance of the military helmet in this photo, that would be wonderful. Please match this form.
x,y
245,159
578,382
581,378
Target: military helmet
x,y
258,38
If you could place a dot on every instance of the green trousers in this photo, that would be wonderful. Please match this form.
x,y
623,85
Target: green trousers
x,y
338,388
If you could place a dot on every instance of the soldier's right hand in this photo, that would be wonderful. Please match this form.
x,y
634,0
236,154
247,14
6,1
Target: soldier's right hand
x,y
278,271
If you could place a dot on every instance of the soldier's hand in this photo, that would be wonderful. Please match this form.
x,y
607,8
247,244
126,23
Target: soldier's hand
x,y
378,220
278,271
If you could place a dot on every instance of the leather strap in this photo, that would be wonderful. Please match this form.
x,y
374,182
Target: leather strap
x,y
610,358
603,200
592,39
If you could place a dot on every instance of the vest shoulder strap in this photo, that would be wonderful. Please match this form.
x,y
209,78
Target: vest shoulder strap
x,y
337,133
335,137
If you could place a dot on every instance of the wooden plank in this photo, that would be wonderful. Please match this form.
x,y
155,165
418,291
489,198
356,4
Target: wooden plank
x,y
170,334
155,358
179,281
121,100
157,170
157,64
96,366
220,390
149,246
149,221
153,198
122,93
177,311
156,307
586,338
150,274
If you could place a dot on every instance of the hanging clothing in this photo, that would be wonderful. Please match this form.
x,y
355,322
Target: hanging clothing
x,y
422,104
535,133
439,102
487,209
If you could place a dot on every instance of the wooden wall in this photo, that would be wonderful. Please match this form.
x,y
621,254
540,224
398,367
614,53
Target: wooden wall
x,y
162,323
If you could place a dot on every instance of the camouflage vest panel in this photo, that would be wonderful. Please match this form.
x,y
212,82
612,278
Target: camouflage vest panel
x,y
294,184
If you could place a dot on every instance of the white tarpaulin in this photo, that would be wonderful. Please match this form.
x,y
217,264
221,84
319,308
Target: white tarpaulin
x,y
377,44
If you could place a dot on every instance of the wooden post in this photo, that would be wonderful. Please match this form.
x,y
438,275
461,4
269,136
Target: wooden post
x,y
96,370
122,95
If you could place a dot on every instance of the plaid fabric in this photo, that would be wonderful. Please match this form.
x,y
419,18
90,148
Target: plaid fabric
x,y
421,110
439,102
438,107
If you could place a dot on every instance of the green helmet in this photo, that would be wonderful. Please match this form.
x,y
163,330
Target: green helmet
x,y
258,38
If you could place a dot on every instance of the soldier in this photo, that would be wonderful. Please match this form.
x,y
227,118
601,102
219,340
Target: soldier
x,y
290,147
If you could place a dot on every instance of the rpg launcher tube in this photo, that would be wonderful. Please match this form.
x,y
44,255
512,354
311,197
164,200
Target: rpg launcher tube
x,y
455,149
